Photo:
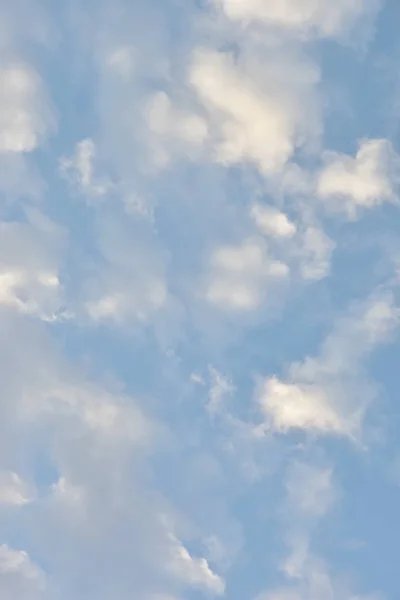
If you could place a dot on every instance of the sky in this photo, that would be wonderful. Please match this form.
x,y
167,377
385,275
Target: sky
x,y
199,299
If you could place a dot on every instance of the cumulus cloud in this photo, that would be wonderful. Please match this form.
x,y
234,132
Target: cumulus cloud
x,y
218,122
195,571
241,275
26,116
328,394
299,406
303,243
251,109
367,180
13,490
272,222
94,437
305,17
173,131
29,266
20,578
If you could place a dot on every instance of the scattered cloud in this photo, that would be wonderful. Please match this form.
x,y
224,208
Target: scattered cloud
x,y
80,169
272,222
251,108
171,129
368,180
26,114
195,571
304,17
241,275
134,321
29,266
329,394
20,578
13,490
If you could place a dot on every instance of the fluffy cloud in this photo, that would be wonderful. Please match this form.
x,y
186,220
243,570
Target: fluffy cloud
x,y
303,244
272,222
241,275
252,108
20,578
327,394
195,571
213,127
173,131
304,17
25,113
300,406
29,278
220,388
13,490
367,180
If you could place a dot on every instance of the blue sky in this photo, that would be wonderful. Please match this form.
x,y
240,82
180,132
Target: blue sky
x,y
199,300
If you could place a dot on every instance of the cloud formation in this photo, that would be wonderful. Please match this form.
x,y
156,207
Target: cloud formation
x,y
199,301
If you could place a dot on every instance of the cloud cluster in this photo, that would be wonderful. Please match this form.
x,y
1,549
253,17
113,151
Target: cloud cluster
x,y
328,394
191,188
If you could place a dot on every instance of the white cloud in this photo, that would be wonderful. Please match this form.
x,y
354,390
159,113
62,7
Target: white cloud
x,y
253,113
195,571
272,222
367,180
80,169
300,407
130,302
321,17
29,279
241,274
13,490
304,244
172,130
315,251
25,113
20,578
96,439
328,394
